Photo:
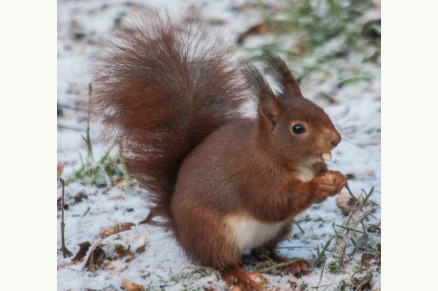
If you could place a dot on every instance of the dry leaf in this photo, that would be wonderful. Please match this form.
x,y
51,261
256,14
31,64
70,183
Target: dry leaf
x,y
131,286
368,173
122,252
74,23
123,268
253,30
97,255
115,229
115,198
292,284
107,265
95,260
369,260
118,183
61,266
326,97
345,202
140,240
375,228
140,249
83,249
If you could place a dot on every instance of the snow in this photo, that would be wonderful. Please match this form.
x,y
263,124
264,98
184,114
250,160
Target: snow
x,y
163,264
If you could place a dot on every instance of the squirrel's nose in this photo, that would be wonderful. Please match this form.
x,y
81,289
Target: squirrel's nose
x,y
336,140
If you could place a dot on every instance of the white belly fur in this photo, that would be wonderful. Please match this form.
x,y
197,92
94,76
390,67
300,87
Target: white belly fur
x,y
249,233
305,174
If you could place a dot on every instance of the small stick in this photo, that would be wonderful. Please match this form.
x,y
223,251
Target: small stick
x,y
356,230
276,266
65,251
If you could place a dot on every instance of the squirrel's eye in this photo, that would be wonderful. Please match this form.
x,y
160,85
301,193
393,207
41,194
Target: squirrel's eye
x,y
298,129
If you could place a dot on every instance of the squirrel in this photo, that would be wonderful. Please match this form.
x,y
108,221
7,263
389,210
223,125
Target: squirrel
x,y
225,183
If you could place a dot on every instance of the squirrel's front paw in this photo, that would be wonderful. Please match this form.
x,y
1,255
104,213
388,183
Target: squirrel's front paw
x,y
327,184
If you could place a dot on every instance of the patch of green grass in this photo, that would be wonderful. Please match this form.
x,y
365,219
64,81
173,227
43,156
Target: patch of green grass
x,y
103,172
314,23
321,257
342,286
303,286
334,268
99,173
313,35
352,80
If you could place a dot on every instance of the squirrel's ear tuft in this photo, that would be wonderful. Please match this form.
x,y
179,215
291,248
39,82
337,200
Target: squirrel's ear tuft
x,y
268,106
281,73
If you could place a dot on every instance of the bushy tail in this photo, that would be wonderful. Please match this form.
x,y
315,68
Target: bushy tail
x,y
162,87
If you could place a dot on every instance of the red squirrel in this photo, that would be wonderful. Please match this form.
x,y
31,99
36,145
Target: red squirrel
x,y
225,183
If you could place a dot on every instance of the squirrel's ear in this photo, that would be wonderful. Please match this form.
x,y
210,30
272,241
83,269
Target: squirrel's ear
x,y
282,75
269,109
268,106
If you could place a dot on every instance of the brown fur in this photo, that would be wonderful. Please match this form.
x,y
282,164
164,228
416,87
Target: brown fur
x,y
174,100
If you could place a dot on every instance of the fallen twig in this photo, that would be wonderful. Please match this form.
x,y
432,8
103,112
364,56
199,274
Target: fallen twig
x,y
269,268
65,251
355,230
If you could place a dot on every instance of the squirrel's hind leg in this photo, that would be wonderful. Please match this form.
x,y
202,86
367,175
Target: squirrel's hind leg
x,y
203,235
205,238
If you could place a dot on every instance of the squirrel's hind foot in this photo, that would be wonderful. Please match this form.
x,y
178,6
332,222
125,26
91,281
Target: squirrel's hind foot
x,y
237,279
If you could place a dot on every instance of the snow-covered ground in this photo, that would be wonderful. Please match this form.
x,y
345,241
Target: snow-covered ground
x,y
163,265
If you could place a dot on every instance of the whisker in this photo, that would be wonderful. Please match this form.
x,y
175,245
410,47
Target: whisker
x,y
359,142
